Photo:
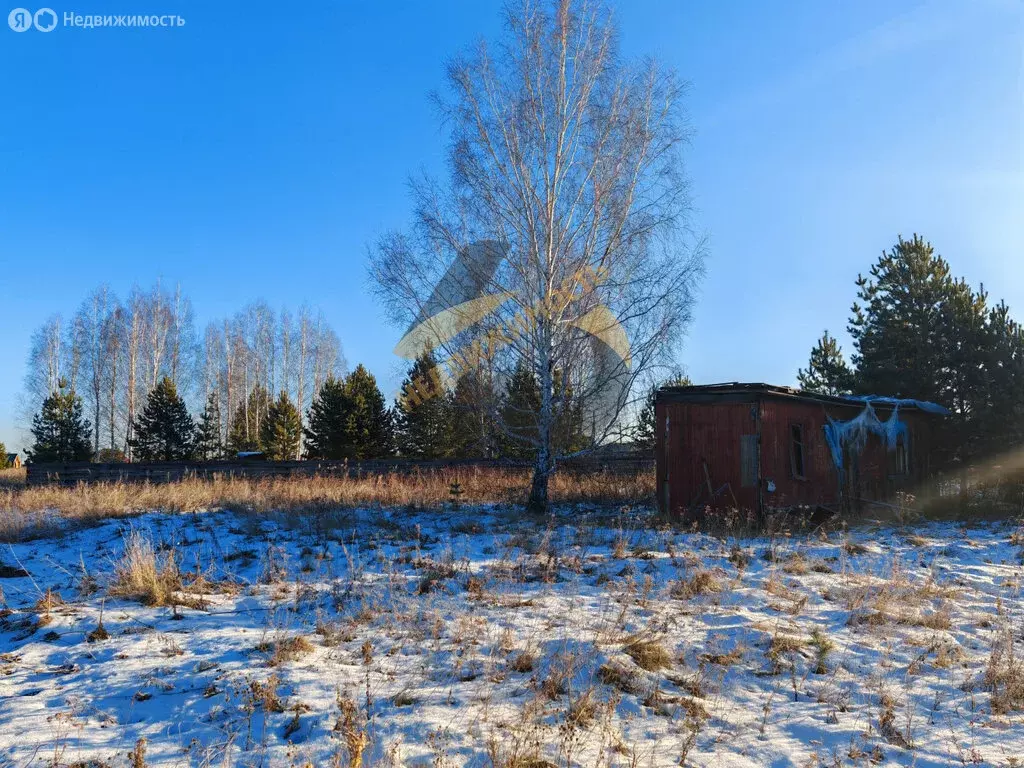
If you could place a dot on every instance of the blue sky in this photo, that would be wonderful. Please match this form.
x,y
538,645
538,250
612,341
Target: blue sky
x,y
260,149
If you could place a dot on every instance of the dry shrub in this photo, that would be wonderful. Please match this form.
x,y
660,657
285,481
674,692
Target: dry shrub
x,y
783,648
621,675
288,649
352,729
522,662
796,564
265,694
938,619
560,672
142,575
702,582
648,654
25,511
137,757
1004,676
583,710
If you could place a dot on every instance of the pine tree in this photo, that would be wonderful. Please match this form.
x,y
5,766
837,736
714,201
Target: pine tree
x,y
997,416
827,372
369,422
424,412
920,333
3,456
59,429
646,422
244,434
903,324
327,431
164,431
209,443
281,430
519,410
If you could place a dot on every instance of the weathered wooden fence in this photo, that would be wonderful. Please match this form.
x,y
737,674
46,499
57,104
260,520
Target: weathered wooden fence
x,y
171,471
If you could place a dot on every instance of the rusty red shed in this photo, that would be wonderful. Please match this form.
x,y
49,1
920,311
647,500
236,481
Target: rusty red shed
x,y
757,447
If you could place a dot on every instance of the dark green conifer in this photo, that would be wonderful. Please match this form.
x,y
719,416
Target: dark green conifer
x,y
209,443
424,412
60,431
164,431
327,429
369,422
281,430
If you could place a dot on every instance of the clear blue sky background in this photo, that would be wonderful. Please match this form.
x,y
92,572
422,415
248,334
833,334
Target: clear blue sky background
x,y
258,150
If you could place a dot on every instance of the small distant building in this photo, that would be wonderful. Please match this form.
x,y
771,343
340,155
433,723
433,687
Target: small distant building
x,y
14,460
757,447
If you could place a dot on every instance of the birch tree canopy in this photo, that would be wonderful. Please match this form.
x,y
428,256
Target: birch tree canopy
x,y
568,158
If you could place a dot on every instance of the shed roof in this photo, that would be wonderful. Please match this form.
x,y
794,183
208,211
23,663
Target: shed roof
x,y
737,392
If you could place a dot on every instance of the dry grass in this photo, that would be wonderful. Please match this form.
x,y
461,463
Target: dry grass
x,y
1004,676
27,511
12,479
141,575
287,649
648,654
702,582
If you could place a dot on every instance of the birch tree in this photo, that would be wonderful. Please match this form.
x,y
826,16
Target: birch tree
x,y
566,176
91,323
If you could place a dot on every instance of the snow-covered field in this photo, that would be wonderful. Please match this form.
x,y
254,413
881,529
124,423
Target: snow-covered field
x,y
476,637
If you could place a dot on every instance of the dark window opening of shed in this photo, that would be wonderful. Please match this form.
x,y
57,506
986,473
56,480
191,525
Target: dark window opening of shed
x,y
796,453
900,458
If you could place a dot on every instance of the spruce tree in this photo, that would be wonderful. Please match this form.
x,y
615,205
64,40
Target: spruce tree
x,y
164,431
209,443
4,464
327,423
60,431
369,422
570,434
244,434
519,414
646,425
473,405
424,412
281,430
827,372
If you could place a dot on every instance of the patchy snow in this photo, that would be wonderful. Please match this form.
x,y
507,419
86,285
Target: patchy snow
x,y
475,637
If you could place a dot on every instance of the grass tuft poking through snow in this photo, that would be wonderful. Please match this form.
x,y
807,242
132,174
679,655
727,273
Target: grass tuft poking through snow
x,y
143,575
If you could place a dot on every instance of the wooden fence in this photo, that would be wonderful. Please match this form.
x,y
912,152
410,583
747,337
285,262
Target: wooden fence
x,y
171,471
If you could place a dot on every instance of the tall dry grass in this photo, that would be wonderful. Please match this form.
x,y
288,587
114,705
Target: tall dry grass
x,y
29,511
12,478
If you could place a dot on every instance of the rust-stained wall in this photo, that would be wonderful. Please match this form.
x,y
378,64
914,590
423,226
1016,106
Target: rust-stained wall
x,y
691,437
700,456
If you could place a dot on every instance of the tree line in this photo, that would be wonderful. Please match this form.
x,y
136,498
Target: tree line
x,y
919,332
349,418
112,354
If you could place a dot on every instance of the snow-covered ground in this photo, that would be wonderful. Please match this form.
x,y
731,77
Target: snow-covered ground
x,y
475,637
